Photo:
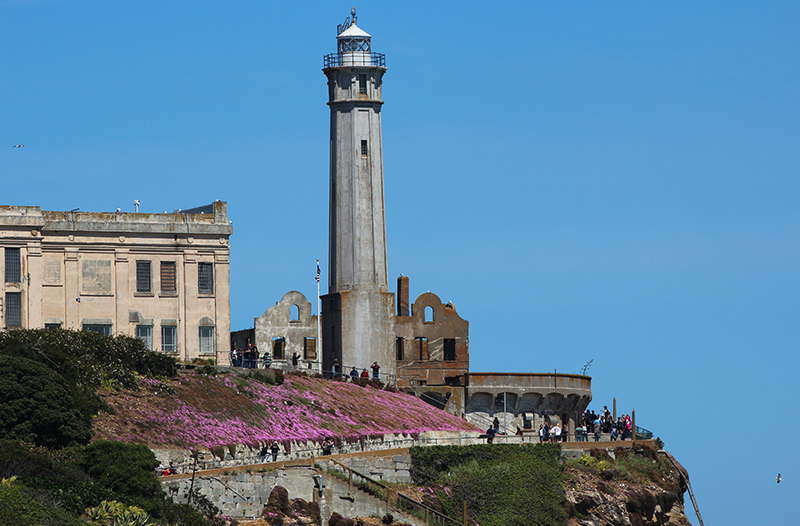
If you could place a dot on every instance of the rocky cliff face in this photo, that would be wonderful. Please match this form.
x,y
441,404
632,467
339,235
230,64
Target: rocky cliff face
x,y
625,488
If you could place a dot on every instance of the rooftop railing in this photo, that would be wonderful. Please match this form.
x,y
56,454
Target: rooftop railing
x,y
357,58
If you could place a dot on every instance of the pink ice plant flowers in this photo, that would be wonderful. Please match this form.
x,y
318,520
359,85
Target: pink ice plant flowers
x,y
301,409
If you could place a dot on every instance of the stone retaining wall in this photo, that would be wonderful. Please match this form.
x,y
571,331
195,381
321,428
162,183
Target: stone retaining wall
x,y
244,494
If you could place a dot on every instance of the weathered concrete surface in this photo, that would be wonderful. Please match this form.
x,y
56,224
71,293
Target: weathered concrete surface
x,y
80,269
358,312
243,494
543,396
246,458
292,320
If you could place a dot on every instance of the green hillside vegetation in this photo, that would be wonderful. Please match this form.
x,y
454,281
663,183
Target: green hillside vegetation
x,y
502,484
49,381
526,485
41,487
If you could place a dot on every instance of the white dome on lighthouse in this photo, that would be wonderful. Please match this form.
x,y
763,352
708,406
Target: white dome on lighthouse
x,y
354,32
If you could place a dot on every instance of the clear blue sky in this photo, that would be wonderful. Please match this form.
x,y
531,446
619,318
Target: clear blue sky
x,y
607,181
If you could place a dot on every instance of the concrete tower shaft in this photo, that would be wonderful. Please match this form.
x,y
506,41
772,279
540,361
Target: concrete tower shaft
x,y
358,311
357,244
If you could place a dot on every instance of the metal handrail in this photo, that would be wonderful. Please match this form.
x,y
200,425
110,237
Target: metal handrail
x,y
358,58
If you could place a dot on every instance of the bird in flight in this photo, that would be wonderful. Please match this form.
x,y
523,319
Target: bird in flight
x,y
19,146
778,478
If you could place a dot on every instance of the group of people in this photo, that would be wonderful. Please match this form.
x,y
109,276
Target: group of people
x,y
274,449
336,370
162,470
604,423
248,358
554,433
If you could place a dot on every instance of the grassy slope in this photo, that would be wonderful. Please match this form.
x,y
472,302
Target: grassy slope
x,y
196,410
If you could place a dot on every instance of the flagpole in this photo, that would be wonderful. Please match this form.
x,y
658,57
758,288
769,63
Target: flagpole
x,y
319,326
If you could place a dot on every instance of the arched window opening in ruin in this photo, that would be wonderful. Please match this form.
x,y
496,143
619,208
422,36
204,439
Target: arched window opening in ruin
x,y
428,313
295,313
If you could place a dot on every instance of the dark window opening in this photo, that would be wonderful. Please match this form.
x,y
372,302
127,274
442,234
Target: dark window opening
x,y
362,84
449,349
102,329
398,346
142,276
527,423
310,349
278,346
168,276
13,308
13,265
364,149
422,347
205,278
52,326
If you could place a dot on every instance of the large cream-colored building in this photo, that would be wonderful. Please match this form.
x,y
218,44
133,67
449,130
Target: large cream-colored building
x,y
164,278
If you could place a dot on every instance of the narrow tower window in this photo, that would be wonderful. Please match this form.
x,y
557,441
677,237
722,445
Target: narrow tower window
x,y
364,148
362,84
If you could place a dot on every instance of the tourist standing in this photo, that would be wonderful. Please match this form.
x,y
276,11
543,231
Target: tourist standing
x,y
375,370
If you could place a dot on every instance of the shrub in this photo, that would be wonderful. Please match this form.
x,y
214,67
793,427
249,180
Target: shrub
x,y
116,513
16,509
88,358
587,460
38,406
209,370
128,470
185,515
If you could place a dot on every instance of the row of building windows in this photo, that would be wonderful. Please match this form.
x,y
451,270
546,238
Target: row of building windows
x,y
421,348
169,337
144,282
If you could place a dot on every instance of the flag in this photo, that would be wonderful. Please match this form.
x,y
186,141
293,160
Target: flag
x,y
317,271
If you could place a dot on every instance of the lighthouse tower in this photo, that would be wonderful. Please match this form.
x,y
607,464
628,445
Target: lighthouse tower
x,y
358,311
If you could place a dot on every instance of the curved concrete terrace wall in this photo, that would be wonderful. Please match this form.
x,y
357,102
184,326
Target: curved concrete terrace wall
x,y
560,396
